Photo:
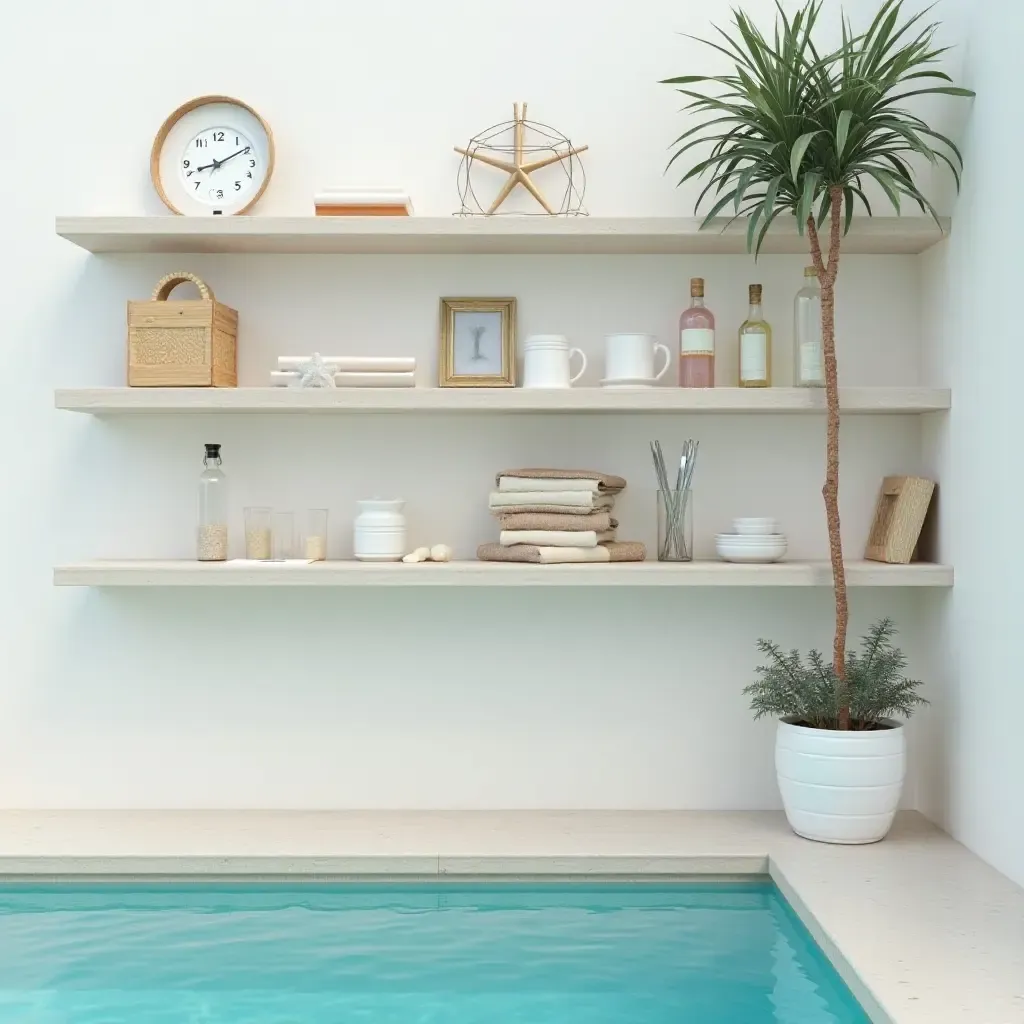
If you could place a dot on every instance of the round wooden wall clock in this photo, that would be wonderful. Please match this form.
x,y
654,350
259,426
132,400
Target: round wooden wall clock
x,y
213,155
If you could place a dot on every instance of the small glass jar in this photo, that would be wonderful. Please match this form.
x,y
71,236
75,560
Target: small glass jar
x,y
257,534
675,526
808,354
212,533
314,535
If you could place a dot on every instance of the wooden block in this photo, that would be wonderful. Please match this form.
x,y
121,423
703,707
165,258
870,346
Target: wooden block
x,y
899,516
354,210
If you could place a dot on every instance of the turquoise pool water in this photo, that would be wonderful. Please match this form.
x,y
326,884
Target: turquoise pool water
x,y
545,953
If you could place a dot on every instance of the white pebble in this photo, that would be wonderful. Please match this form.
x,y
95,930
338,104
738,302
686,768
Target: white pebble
x,y
419,555
441,553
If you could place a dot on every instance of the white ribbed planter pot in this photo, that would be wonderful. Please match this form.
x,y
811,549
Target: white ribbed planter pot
x,y
840,787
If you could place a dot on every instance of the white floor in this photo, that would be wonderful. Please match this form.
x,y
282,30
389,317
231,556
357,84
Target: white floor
x,y
924,931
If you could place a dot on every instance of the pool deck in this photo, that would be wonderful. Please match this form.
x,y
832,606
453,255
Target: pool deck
x,y
923,931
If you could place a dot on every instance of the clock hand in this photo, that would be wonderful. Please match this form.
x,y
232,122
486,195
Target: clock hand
x,y
232,157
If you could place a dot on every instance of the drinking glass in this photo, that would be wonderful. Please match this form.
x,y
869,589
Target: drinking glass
x,y
314,543
675,526
257,533
284,536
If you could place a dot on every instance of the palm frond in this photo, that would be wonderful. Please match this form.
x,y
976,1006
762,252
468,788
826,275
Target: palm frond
x,y
806,125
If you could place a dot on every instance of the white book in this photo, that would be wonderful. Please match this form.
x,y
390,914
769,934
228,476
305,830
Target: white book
x,y
284,378
375,380
363,364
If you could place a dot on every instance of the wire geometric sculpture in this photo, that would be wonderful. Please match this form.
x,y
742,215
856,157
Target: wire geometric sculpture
x,y
520,148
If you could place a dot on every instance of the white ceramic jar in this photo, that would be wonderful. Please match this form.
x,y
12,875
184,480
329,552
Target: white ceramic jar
x,y
840,787
379,532
546,362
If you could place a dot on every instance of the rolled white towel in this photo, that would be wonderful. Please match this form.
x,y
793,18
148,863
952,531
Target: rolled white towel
x,y
284,378
353,364
375,380
549,538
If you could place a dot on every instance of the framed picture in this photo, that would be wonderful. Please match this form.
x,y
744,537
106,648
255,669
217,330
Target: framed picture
x,y
478,343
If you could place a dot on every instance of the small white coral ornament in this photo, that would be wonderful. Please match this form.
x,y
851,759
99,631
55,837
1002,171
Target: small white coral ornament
x,y
419,555
315,375
440,553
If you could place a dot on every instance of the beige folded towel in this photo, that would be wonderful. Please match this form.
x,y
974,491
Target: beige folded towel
x,y
598,521
525,483
607,484
549,538
623,551
556,500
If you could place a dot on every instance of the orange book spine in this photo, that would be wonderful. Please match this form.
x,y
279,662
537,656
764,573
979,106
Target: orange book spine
x,y
362,211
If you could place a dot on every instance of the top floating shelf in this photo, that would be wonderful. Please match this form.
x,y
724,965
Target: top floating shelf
x,y
471,235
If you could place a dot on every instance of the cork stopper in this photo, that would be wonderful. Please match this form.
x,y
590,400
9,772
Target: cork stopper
x,y
696,287
810,271
755,294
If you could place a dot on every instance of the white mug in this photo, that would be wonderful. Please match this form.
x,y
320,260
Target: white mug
x,y
631,357
546,362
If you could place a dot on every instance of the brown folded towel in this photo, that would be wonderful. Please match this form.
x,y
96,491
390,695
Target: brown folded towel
x,y
618,551
598,521
606,483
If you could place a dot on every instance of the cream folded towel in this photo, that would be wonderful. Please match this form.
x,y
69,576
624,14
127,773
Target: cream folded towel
x,y
549,538
549,499
576,519
607,482
522,483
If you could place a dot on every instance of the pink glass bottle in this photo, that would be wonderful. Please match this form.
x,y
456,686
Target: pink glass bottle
x,y
697,341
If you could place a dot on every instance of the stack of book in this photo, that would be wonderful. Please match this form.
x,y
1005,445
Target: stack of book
x,y
351,371
362,202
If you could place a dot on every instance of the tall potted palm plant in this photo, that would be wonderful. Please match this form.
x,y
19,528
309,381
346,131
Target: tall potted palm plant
x,y
795,131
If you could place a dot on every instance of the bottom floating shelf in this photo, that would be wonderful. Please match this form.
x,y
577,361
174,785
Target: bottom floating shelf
x,y
155,573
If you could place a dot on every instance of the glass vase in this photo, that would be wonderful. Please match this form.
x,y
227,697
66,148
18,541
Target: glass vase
x,y
675,526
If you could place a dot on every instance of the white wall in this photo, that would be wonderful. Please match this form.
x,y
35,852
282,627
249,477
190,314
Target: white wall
x,y
449,699
973,340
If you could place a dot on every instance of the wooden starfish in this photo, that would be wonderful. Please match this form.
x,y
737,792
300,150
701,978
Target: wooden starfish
x,y
519,170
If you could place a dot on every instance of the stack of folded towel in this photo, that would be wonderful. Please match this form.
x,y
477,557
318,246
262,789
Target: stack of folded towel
x,y
351,371
557,515
372,201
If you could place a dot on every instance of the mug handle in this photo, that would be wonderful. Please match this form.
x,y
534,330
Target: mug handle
x,y
583,364
668,360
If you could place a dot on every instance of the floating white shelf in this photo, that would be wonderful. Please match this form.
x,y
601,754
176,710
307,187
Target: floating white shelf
x,y
101,401
490,574
499,235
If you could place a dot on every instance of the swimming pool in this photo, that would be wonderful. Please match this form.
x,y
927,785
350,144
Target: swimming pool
x,y
648,952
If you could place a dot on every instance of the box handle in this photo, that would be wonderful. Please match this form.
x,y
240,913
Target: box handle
x,y
167,284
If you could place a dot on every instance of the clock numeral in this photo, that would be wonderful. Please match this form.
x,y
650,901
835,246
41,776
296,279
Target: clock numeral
x,y
238,186
220,193
200,143
248,174
218,136
247,150
190,173
236,140
185,164
196,183
252,163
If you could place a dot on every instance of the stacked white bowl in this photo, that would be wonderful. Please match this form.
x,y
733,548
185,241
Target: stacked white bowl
x,y
751,540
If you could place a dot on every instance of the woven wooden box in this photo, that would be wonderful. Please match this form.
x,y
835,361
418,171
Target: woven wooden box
x,y
184,343
899,517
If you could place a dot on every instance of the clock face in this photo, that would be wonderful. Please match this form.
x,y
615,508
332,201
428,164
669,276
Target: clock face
x,y
213,156
221,166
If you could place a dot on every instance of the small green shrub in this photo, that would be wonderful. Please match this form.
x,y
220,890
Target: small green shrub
x,y
809,692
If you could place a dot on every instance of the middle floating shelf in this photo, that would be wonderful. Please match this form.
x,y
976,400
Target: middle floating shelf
x,y
858,400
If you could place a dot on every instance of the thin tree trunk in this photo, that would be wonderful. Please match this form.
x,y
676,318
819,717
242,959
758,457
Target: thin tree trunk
x,y
827,274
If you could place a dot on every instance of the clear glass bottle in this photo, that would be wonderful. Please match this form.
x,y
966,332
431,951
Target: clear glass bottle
x,y
697,341
808,355
755,345
212,535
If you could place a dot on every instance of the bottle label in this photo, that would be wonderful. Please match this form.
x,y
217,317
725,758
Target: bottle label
x,y
697,341
811,363
753,356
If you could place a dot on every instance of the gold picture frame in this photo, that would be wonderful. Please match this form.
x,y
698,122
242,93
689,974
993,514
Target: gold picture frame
x,y
478,343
